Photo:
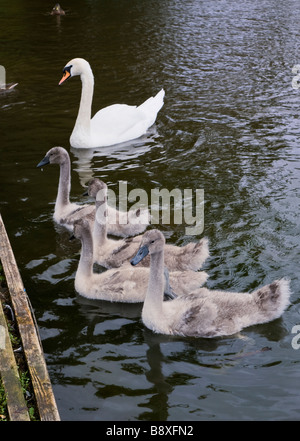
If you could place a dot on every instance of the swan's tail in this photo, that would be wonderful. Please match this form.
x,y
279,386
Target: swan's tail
x,y
196,254
153,105
273,299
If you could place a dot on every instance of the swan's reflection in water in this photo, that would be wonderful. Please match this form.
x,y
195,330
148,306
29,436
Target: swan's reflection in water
x,y
83,164
93,162
158,400
138,355
162,370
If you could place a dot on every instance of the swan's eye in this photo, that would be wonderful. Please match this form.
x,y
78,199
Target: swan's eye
x,y
152,241
68,68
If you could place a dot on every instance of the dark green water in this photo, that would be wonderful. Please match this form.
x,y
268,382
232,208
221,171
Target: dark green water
x,y
230,125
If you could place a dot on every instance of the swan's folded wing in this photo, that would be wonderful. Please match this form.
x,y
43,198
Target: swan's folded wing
x,y
121,122
113,121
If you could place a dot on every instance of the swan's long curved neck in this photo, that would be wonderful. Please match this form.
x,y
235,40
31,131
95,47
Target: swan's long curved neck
x,y
64,185
155,292
83,120
85,266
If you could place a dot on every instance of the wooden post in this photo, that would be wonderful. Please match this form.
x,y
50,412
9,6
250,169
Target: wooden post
x,y
28,332
16,404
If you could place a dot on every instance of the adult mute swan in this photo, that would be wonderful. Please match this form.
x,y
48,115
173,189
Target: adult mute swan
x,y
113,124
125,284
66,212
113,253
204,313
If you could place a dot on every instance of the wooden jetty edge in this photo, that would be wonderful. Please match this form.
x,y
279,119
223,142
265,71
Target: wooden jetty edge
x,y
16,404
29,336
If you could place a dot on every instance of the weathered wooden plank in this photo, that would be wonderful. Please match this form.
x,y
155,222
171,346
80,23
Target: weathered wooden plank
x,y
16,404
28,332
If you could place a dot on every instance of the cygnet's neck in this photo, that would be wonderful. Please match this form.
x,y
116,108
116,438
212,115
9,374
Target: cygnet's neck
x,y
100,227
155,292
64,184
85,267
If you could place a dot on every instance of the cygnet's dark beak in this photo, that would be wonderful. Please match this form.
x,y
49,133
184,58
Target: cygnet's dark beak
x,y
142,252
86,193
44,161
72,237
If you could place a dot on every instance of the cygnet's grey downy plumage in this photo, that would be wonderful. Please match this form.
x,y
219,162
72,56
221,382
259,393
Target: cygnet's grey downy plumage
x,y
110,253
66,212
205,313
125,284
114,253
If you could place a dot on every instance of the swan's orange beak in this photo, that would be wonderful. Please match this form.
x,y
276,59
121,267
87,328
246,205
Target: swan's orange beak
x,y
65,76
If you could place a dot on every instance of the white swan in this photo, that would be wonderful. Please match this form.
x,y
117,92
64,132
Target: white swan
x,y
66,212
113,124
205,313
125,284
113,253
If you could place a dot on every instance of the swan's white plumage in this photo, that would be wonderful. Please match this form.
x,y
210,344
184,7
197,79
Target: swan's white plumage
x,y
113,124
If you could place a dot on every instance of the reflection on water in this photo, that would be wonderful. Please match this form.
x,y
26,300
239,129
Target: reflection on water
x,y
229,125
120,156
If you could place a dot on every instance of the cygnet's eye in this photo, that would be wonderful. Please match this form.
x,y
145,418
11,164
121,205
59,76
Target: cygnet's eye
x,y
152,241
